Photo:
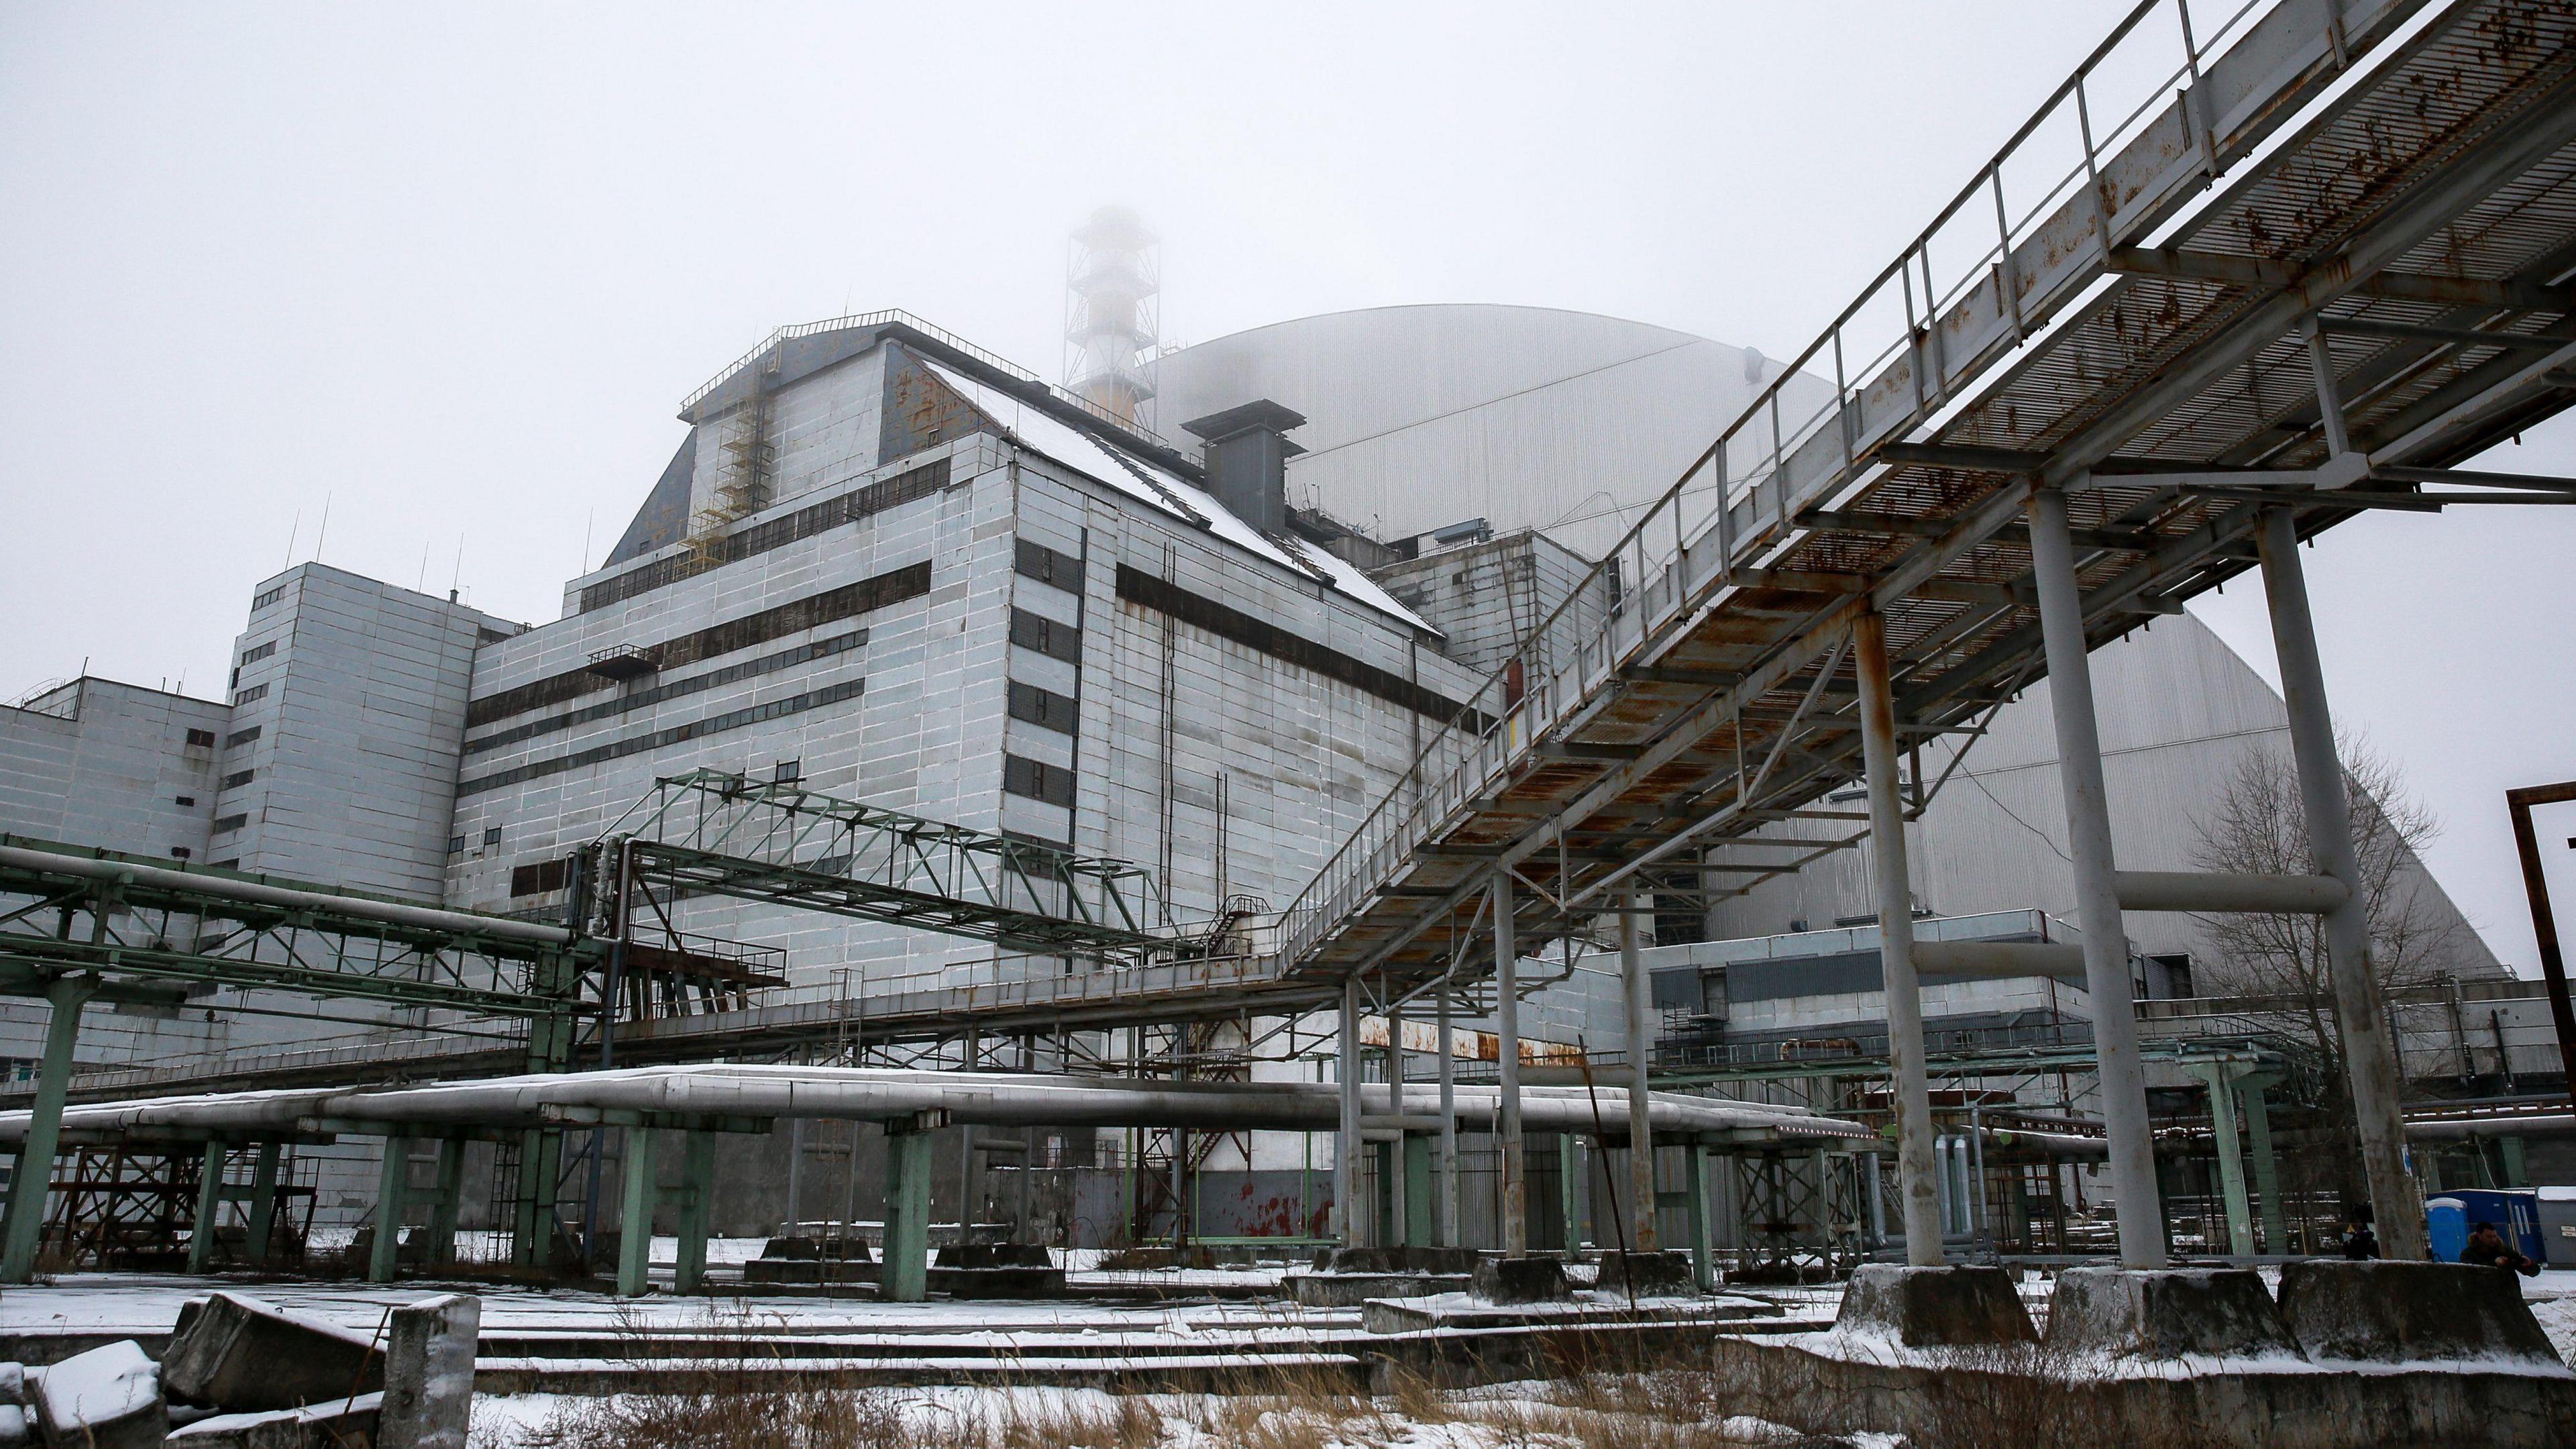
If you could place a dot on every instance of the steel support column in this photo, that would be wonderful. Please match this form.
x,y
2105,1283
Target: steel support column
x,y
1572,1180
905,1273
1507,1073
450,1199
1346,1132
635,1198
697,1206
2106,941
1703,1231
1917,1168
34,1177
393,1183
1445,1227
210,1200
2267,1168
1418,1190
1641,1050
2370,1058
259,1240
2231,1162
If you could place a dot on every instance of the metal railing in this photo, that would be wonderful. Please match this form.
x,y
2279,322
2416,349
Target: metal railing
x,y
1899,354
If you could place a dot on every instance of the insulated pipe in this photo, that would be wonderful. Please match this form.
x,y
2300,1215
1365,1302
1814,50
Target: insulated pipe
x,y
2186,890
2370,1057
1915,1161
394,913
870,1094
2088,827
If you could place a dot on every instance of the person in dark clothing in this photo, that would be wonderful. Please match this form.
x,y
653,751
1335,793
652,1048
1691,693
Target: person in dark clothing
x,y
2488,1249
2359,1242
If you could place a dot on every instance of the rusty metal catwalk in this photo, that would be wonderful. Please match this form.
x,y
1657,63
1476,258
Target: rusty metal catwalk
x,y
2119,305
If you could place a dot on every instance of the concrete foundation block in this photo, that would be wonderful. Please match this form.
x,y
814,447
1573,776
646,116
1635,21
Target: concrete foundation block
x,y
997,1282
1519,1280
429,1373
1648,1275
1936,1307
1397,1259
993,1255
1345,1290
242,1354
2388,1312
809,1270
107,1398
2167,1313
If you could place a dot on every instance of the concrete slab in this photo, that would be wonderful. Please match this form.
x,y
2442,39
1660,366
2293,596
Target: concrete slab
x,y
1936,1307
107,1398
2388,1312
339,1424
1348,1290
2166,1314
1464,1311
242,1354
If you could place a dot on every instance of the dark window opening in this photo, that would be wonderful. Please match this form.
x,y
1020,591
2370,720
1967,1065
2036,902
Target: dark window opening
x,y
787,772
187,800
537,879
241,737
238,778
258,652
231,822
491,836
455,844
1047,566
1037,780
266,597
202,739
1046,636
179,852
1042,707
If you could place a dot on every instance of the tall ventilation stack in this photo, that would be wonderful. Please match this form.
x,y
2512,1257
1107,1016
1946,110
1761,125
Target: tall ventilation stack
x,y
1113,312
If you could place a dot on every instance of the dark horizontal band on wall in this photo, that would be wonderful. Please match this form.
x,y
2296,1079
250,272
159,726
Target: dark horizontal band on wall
x,y
903,487
658,739
670,689
812,611
1147,591
1037,780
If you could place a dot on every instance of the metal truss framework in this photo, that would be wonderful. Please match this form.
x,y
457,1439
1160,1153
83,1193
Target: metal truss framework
x,y
2183,316
155,929
709,832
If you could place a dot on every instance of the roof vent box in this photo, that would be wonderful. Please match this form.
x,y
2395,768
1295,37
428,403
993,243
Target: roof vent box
x,y
1247,451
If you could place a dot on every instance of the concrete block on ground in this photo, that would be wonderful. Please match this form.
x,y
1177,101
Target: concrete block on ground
x,y
429,1373
337,1424
16,1428
2389,1312
1647,1274
245,1355
1398,1258
996,1282
809,1270
806,1248
993,1255
1936,1307
2167,1313
1343,1290
107,1398
1519,1280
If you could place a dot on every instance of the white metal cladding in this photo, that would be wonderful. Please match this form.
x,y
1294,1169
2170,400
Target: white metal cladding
x,y
1529,417
108,764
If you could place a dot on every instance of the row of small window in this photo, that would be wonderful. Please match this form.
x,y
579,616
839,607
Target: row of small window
x,y
266,597
491,837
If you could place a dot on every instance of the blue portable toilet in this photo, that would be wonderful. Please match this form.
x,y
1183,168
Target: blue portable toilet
x,y
2446,1224
2515,1213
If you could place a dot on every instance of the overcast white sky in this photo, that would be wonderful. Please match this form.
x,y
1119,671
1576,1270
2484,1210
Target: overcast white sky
x,y
449,270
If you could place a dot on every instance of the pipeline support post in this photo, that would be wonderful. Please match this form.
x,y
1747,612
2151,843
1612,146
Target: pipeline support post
x,y
393,1184
2370,1058
1641,1051
450,1198
2267,1168
210,1200
905,1274
1445,1226
1917,1168
34,1177
2231,1163
1703,1232
1507,1074
636,1194
1346,1133
259,1239
1571,1191
2088,827
697,1202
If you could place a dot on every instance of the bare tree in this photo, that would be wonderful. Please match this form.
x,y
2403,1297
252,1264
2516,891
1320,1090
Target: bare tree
x,y
2258,826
